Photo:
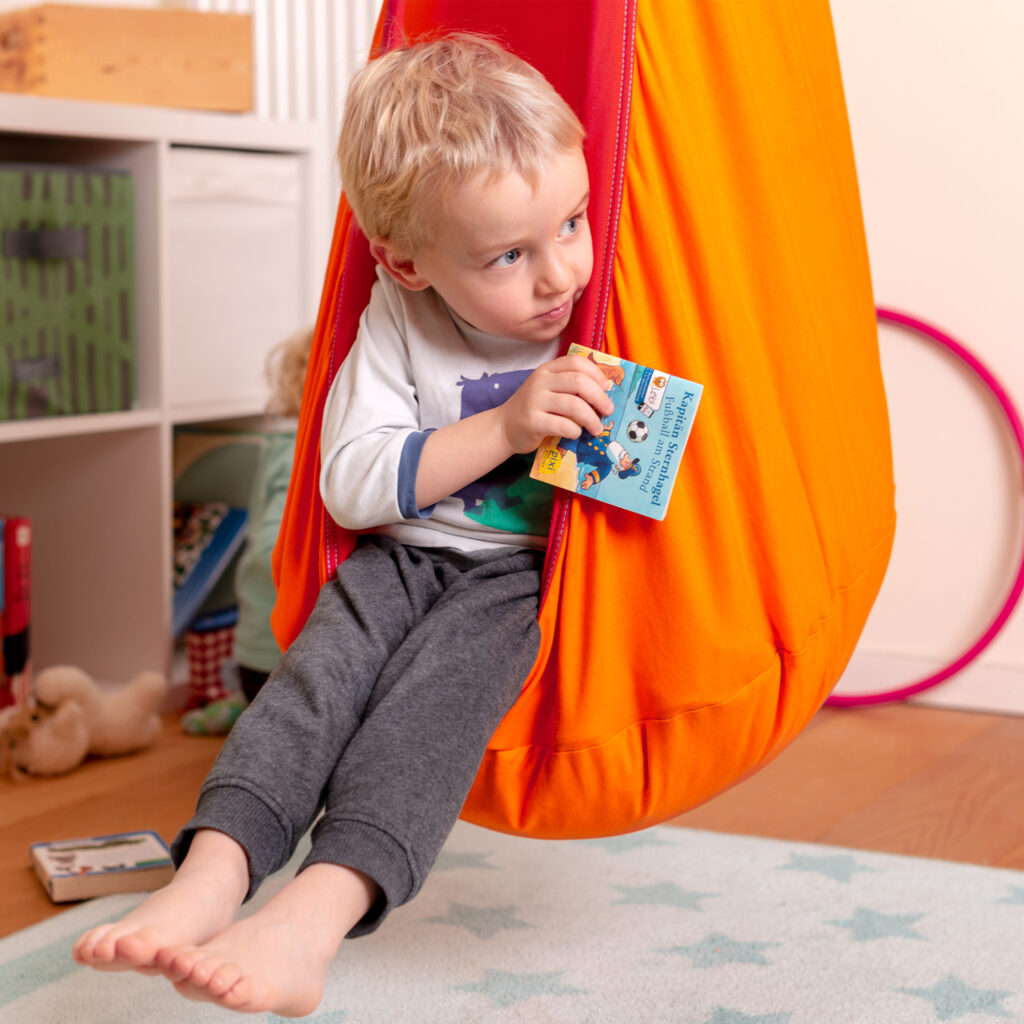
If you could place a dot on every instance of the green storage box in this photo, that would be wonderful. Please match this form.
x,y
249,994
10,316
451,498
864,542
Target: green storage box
x,y
67,291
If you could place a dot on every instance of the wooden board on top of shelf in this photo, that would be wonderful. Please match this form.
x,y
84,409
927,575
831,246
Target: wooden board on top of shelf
x,y
167,58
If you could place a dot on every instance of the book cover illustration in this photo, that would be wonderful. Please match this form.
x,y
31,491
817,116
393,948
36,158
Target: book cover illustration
x,y
75,869
206,537
634,462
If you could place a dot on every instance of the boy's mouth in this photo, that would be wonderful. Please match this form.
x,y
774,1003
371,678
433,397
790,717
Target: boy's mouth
x,y
558,312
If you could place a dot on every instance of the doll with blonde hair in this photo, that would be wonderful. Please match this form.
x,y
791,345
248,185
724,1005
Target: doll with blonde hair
x,y
285,371
255,649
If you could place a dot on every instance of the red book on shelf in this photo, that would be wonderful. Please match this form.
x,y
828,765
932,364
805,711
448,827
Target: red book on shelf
x,y
15,608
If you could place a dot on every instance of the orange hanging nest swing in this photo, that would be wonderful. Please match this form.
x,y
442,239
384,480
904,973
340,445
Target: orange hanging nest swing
x,y
677,657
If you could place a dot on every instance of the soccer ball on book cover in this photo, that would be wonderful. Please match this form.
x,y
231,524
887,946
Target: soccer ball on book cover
x,y
637,431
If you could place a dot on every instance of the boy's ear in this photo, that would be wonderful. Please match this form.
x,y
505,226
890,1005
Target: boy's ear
x,y
401,268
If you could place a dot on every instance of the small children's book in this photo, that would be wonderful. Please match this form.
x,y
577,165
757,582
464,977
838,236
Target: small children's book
x,y
79,869
633,464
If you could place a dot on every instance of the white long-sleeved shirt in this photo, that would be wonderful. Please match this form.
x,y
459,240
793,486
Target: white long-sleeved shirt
x,y
415,366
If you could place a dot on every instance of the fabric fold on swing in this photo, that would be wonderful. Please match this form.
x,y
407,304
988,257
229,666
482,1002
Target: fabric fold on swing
x,y
677,657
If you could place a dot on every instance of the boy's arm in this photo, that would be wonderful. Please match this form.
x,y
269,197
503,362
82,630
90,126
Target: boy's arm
x,y
370,411
560,399
378,463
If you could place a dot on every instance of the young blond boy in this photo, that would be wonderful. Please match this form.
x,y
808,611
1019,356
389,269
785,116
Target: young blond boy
x,y
466,172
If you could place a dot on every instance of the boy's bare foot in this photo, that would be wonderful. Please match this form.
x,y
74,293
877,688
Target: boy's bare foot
x,y
276,960
201,900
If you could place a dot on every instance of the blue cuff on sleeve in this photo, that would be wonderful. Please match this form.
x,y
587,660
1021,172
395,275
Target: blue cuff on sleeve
x,y
408,468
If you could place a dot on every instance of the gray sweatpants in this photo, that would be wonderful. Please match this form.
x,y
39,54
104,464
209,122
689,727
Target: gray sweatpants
x,y
379,713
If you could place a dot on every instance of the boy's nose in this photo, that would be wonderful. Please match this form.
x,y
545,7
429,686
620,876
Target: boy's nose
x,y
556,274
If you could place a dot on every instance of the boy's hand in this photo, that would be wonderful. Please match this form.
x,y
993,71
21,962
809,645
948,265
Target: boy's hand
x,y
561,399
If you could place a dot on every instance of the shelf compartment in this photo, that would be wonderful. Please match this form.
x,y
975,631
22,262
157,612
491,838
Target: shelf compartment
x,y
101,548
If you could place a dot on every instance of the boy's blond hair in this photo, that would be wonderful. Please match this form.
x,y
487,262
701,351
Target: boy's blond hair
x,y
429,116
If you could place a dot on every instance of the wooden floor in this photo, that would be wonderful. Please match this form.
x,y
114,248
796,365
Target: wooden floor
x,y
913,780
155,790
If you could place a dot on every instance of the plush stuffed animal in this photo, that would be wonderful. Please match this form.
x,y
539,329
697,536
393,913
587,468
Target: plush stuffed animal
x,y
74,717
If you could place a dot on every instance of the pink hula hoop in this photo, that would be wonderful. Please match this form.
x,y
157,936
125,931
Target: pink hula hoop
x,y
1017,429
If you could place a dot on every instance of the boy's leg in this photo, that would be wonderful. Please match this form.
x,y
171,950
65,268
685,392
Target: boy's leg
x,y
398,789
267,784
401,782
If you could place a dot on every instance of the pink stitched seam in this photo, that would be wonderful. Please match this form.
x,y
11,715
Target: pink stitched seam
x,y
560,515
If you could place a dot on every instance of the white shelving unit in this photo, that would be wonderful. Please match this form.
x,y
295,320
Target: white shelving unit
x,y
99,487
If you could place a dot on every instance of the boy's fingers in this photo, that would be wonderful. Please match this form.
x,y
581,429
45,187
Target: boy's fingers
x,y
581,365
595,393
579,410
574,379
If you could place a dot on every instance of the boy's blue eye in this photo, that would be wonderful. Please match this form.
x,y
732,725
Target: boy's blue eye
x,y
506,259
571,226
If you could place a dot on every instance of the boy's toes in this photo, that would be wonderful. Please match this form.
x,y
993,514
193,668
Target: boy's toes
x,y
202,971
239,996
83,950
137,948
96,948
223,980
177,962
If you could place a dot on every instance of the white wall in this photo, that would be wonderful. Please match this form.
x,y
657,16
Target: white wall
x,y
934,90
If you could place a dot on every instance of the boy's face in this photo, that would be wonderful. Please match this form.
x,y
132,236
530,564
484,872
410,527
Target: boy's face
x,y
509,259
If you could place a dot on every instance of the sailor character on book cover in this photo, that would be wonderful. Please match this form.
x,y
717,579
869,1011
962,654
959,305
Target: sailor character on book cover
x,y
596,457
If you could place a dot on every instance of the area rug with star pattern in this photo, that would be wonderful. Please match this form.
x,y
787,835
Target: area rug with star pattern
x,y
665,926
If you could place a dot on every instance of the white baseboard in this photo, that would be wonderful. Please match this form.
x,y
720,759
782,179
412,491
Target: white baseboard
x,y
997,689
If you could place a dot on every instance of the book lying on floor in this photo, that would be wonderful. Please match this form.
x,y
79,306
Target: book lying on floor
x,y
79,869
634,462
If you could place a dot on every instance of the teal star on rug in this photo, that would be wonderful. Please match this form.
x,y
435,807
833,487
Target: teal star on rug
x,y
717,949
625,844
840,866
872,924
483,922
504,988
450,861
952,997
1016,896
662,894
723,1016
